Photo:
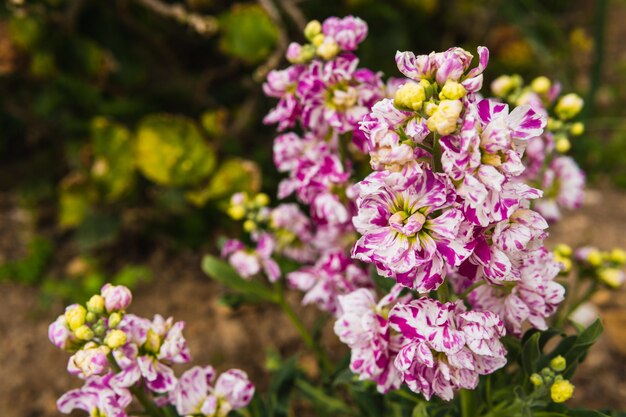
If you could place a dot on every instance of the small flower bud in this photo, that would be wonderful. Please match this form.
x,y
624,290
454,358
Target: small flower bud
x,y
294,51
59,334
115,338
84,333
594,257
547,373
577,129
541,85
312,29
569,106
562,145
96,304
612,277
564,261
503,85
563,249
75,316
536,380
91,317
328,49
410,96
116,297
554,124
153,342
558,363
561,391
452,90
114,320
236,212
99,328
261,199
430,108
618,256
249,226
444,119
318,39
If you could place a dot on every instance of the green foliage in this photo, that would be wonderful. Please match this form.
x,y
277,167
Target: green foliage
x,y
223,273
172,152
247,33
30,269
233,175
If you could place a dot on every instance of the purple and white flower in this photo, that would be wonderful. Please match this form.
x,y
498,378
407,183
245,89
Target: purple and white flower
x,y
249,262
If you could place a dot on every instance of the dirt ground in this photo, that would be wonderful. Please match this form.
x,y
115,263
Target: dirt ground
x,y
32,371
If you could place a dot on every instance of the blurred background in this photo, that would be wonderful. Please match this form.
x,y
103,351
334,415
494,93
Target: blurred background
x,y
125,126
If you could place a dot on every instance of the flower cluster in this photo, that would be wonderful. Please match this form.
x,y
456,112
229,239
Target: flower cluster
x,y
547,166
118,355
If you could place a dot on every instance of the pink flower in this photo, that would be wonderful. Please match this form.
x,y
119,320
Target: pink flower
x,y
364,327
97,396
410,233
116,297
293,233
348,32
564,184
532,299
248,262
60,334
282,84
197,392
446,348
90,360
333,275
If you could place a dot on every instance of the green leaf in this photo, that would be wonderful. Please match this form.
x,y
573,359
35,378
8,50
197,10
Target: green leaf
x,y
171,151
283,383
97,229
420,410
531,354
321,400
247,33
223,273
585,340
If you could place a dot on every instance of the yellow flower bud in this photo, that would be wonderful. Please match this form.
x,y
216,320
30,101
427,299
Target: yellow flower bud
x,y
558,363
612,277
444,119
84,333
114,320
577,129
262,199
563,249
328,49
96,304
75,316
618,256
312,29
452,90
318,39
430,108
249,226
554,124
115,338
594,257
541,85
569,106
410,96
561,391
563,260
562,145
236,212
153,342
503,85
536,380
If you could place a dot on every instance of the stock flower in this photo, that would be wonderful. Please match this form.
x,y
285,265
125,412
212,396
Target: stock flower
x,y
60,334
410,233
153,347
348,32
249,262
116,297
98,397
534,298
364,327
292,231
333,275
282,84
452,64
198,393
90,360
446,348
564,184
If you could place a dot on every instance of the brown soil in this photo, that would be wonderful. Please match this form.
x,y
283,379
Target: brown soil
x,y
32,371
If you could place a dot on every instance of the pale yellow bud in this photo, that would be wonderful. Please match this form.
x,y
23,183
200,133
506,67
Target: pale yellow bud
x,y
562,145
502,85
554,124
153,342
563,249
618,256
541,85
115,338
84,333
312,29
444,119
430,108
577,129
75,316
558,363
318,40
561,391
114,320
569,106
536,380
262,199
612,277
96,304
249,226
594,257
328,49
452,90
410,96
236,212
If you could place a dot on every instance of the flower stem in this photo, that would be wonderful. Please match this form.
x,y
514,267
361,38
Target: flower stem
x,y
436,154
471,288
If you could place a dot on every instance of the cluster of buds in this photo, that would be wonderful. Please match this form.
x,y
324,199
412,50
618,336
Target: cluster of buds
x,y
252,210
546,165
607,267
550,382
118,355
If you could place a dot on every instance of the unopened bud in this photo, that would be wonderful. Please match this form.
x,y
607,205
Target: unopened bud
x,y
153,342
116,297
577,129
558,363
99,328
563,249
410,96
114,320
503,85
236,212
249,226
318,39
561,391
312,29
91,317
618,256
84,333
328,49
554,124
562,145
115,338
96,304
569,106
444,119
262,199
75,316
612,277
452,90
594,257
541,85
536,380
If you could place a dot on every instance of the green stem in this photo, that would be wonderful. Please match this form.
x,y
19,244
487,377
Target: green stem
x,y
466,403
407,396
436,154
471,288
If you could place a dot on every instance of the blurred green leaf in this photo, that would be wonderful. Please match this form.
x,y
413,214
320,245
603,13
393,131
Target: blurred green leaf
x,y
223,273
97,229
247,33
25,31
233,175
171,151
